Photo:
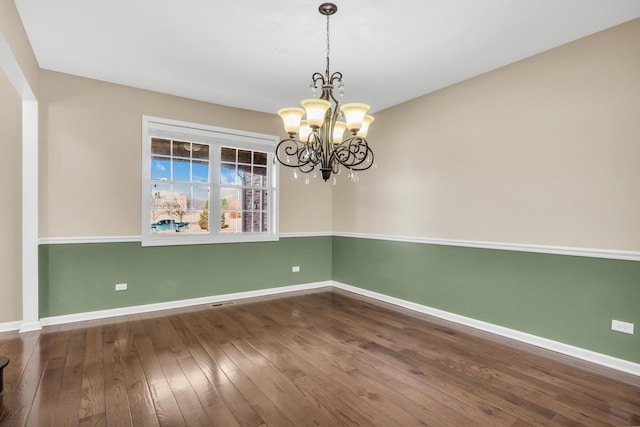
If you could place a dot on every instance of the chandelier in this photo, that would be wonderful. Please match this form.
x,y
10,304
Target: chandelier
x,y
325,135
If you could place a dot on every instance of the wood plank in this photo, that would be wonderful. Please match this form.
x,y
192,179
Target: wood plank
x,y
70,394
142,408
92,404
117,407
192,411
268,412
167,409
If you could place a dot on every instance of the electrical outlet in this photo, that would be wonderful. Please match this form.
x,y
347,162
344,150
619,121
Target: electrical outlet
x,y
121,286
617,325
295,269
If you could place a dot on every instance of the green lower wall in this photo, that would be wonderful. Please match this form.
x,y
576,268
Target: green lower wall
x,y
563,298
77,278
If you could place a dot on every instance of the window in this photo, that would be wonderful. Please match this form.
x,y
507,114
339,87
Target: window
x,y
202,184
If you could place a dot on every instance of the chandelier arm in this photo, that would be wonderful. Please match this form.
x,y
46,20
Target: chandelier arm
x,y
363,166
307,168
318,77
353,152
337,76
324,141
333,98
316,147
290,152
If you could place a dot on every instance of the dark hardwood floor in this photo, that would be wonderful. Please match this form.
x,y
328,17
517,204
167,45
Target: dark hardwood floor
x,y
317,359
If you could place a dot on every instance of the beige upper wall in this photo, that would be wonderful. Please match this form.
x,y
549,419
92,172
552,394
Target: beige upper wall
x,y
544,151
10,177
90,157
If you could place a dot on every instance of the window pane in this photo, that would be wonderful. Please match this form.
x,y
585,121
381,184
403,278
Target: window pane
x,y
229,198
181,170
180,199
157,215
200,197
160,168
160,146
200,151
161,196
260,176
253,222
228,154
159,222
199,222
244,156
247,200
257,200
200,172
182,149
230,204
265,222
265,201
228,174
259,158
244,173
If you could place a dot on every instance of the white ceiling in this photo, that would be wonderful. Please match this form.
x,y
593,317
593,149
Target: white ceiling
x,y
260,55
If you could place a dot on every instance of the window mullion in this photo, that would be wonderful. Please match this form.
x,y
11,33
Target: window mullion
x,y
215,210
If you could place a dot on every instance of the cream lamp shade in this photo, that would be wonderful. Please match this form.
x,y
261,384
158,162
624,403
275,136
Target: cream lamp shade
x,y
354,115
364,129
338,131
291,118
304,132
315,109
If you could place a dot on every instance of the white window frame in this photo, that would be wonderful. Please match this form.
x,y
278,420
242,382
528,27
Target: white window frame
x,y
216,137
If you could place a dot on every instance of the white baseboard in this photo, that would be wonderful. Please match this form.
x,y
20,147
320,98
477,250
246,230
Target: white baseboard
x,y
146,308
569,350
10,326
30,326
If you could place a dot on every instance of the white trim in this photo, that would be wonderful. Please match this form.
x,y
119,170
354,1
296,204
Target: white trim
x,y
29,213
89,239
101,314
138,239
10,326
554,250
30,326
308,234
30,279
577,352
519,247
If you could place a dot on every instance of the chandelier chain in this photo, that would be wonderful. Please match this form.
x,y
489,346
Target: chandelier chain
x,y
328,49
